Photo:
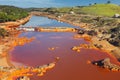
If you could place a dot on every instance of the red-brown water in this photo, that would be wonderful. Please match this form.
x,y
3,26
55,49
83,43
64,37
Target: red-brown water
x,y
71,66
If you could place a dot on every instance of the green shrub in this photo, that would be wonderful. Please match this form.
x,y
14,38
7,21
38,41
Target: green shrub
x,y
3,33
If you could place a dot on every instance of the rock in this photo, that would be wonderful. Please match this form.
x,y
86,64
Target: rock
x,y
100,35
115,42
98,46
98,63
72,12
105,63
116,52
80,31
51,65
23,78
57,58
92,32
107,36
78,50
75,48
52,48
116,15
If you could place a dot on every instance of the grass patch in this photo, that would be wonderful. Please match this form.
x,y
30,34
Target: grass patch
x,y
101,9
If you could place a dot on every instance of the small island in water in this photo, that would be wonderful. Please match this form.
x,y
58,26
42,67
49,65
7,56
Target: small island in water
x,y
60,43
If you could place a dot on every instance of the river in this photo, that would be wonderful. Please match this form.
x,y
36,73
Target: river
x,y
71,65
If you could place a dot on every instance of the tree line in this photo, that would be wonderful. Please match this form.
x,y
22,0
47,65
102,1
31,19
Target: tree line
x,y
11,13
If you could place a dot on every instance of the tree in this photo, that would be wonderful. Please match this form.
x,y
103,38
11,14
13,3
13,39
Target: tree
x,y
108,2
90,4
95,3
11,13
3,33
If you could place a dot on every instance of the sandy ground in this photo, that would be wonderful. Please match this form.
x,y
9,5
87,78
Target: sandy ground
x,y
4,62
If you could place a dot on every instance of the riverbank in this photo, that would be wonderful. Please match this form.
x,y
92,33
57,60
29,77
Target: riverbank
x,y
12,24
74,19
5,43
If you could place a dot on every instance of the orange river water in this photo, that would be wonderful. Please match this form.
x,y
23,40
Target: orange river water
x,y
70,66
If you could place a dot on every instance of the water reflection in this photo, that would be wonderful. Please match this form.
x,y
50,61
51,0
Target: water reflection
x,y
36,21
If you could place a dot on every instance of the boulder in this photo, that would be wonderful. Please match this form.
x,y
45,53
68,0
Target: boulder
x,y
92,32
116,15
80,31
105,63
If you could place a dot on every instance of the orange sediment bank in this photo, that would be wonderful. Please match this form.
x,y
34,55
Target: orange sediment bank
x,y
12,73
111,67
6,47
95,43
16,23
10,42
103,45
57,29
86,37
21,41
7,70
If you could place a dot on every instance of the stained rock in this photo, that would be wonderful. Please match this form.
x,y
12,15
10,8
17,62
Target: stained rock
x,y
105,63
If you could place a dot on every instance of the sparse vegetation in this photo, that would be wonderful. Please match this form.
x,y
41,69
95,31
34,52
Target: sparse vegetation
x,y
3,33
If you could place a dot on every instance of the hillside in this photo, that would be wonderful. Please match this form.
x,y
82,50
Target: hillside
x,y
96,9
101,9
11,13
